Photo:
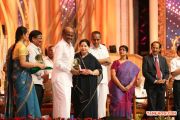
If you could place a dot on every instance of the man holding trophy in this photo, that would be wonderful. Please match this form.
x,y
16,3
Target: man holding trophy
x,y
35,55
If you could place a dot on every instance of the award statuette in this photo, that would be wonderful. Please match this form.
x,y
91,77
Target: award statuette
x,y
76,64
39,59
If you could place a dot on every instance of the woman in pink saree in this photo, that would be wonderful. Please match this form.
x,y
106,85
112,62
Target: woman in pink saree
x,y
121,86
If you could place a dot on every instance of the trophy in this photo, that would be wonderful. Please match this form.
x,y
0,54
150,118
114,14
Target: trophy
x,y
39,58
76,64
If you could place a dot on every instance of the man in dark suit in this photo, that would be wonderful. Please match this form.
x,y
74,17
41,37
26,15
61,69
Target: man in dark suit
x,y
156,72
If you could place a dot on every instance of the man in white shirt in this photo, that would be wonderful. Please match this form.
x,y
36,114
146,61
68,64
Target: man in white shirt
x,y
140,91
175,72
34,49
101,53
48,61
62,75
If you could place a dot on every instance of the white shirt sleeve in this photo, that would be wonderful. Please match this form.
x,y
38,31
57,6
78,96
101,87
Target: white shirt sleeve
x,y
32,55
106,53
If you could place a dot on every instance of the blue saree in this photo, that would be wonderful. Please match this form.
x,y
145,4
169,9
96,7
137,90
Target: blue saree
x,y
24,94
26,99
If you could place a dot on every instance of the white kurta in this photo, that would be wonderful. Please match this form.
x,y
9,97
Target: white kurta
x,y
62,79
100,53
48,85
33,52
49,63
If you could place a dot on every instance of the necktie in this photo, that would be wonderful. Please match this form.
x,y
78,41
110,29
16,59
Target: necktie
x,y
158,71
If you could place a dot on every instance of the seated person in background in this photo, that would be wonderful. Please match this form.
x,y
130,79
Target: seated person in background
x,y
48,61
140,91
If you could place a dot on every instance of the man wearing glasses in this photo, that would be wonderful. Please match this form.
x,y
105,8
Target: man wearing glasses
x,y
35,55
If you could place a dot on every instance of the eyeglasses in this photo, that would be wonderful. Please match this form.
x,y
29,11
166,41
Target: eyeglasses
x,y
96,39
38,37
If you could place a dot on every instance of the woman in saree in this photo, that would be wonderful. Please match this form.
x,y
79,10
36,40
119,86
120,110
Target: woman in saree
x,y
121,86
84,92
20,80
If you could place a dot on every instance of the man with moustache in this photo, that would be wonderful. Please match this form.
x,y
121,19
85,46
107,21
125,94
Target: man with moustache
x,y
156,72
101,53
62,75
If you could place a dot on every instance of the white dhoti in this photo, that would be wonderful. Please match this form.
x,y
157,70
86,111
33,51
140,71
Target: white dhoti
x,y
61,100
103,91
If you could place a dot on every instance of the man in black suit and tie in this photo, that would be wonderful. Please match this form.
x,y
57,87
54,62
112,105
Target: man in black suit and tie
x,y
156,72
